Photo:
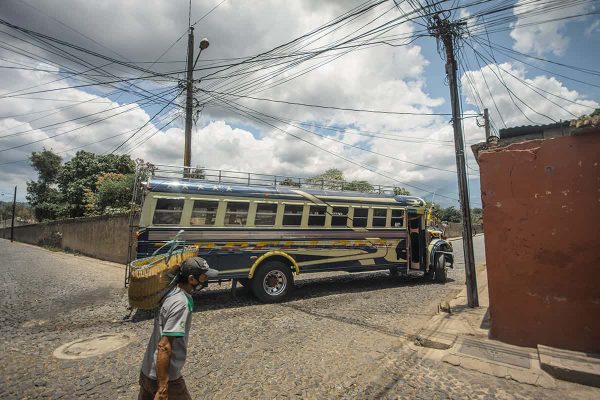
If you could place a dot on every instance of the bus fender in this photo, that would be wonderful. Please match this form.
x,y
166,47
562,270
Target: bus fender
x,y
274,253
437,246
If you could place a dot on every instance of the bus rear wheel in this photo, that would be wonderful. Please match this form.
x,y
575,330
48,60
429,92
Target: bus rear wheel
x,y
272,282
441,272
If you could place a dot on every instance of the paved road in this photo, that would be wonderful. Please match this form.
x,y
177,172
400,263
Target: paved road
x,y
338,337
458,273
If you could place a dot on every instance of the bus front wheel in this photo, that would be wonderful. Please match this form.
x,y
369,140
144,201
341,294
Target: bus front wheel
x,y
272,282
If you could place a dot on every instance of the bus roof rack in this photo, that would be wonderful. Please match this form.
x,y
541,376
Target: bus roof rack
x,y
221,176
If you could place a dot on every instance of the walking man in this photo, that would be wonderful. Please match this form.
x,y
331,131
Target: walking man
x,y
160,378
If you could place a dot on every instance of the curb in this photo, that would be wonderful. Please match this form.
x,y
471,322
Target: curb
x,y
460,237
571,366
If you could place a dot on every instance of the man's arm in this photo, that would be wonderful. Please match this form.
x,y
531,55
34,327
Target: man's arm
x,y
163,363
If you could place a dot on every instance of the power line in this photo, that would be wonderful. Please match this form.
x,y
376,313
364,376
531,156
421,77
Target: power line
x,y
321,106
78,147
336,140
364,166
532,86
206,14
77,118
147,122
72,130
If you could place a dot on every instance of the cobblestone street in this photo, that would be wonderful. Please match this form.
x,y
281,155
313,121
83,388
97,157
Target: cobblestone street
x,y
342,336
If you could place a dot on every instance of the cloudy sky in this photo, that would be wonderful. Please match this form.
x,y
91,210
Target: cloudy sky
x,y
528,65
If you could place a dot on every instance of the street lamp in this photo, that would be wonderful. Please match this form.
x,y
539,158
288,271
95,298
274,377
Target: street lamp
x,y
187,150
203,46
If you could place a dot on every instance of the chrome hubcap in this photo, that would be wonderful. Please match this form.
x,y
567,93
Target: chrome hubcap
x,y
274,283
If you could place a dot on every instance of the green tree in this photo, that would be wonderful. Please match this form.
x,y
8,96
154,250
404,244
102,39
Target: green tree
x,y
80,175
359,186
23,212
450,214
476,215
400,191
332,179
47,164
289,182
42,194
436,212
197,173
113,193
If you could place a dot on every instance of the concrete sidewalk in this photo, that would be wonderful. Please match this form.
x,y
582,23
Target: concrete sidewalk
x,y
461,338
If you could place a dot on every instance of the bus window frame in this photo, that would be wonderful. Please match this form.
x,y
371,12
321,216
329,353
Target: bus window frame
x,y
155,203
193,200
385,218
404,216
302,215
348,216
322,206
366,218
255,213
234,200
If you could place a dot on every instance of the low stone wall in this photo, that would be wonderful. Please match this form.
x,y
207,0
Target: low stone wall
x,y
103,237
454,229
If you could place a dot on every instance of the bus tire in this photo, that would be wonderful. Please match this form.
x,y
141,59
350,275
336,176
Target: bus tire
x,y
441,272
272,282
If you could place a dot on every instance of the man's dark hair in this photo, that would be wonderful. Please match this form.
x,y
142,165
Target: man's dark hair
x,y
195,266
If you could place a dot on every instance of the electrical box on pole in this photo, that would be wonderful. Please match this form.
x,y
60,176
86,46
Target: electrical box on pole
x,y
447,32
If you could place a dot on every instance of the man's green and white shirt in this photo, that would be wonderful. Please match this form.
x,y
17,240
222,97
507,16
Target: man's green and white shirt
x,y
173,319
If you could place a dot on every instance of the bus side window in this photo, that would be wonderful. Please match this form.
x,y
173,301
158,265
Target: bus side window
x,y
292,215
316,216
168,211
360,217
339,216
236,213
397,218
265,214
379,217
204,212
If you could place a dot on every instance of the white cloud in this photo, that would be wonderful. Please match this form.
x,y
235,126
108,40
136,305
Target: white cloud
x,y
593,29
373,78
523,104
533,36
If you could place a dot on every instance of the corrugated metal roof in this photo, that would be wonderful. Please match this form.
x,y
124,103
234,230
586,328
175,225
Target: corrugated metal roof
x,y
530,129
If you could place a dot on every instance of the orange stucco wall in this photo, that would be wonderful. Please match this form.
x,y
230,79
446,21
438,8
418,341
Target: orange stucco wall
x,y
541,201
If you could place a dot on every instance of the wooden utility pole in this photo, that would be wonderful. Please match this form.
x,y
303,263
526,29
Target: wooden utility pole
x,y
447,32
12,225
189,99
